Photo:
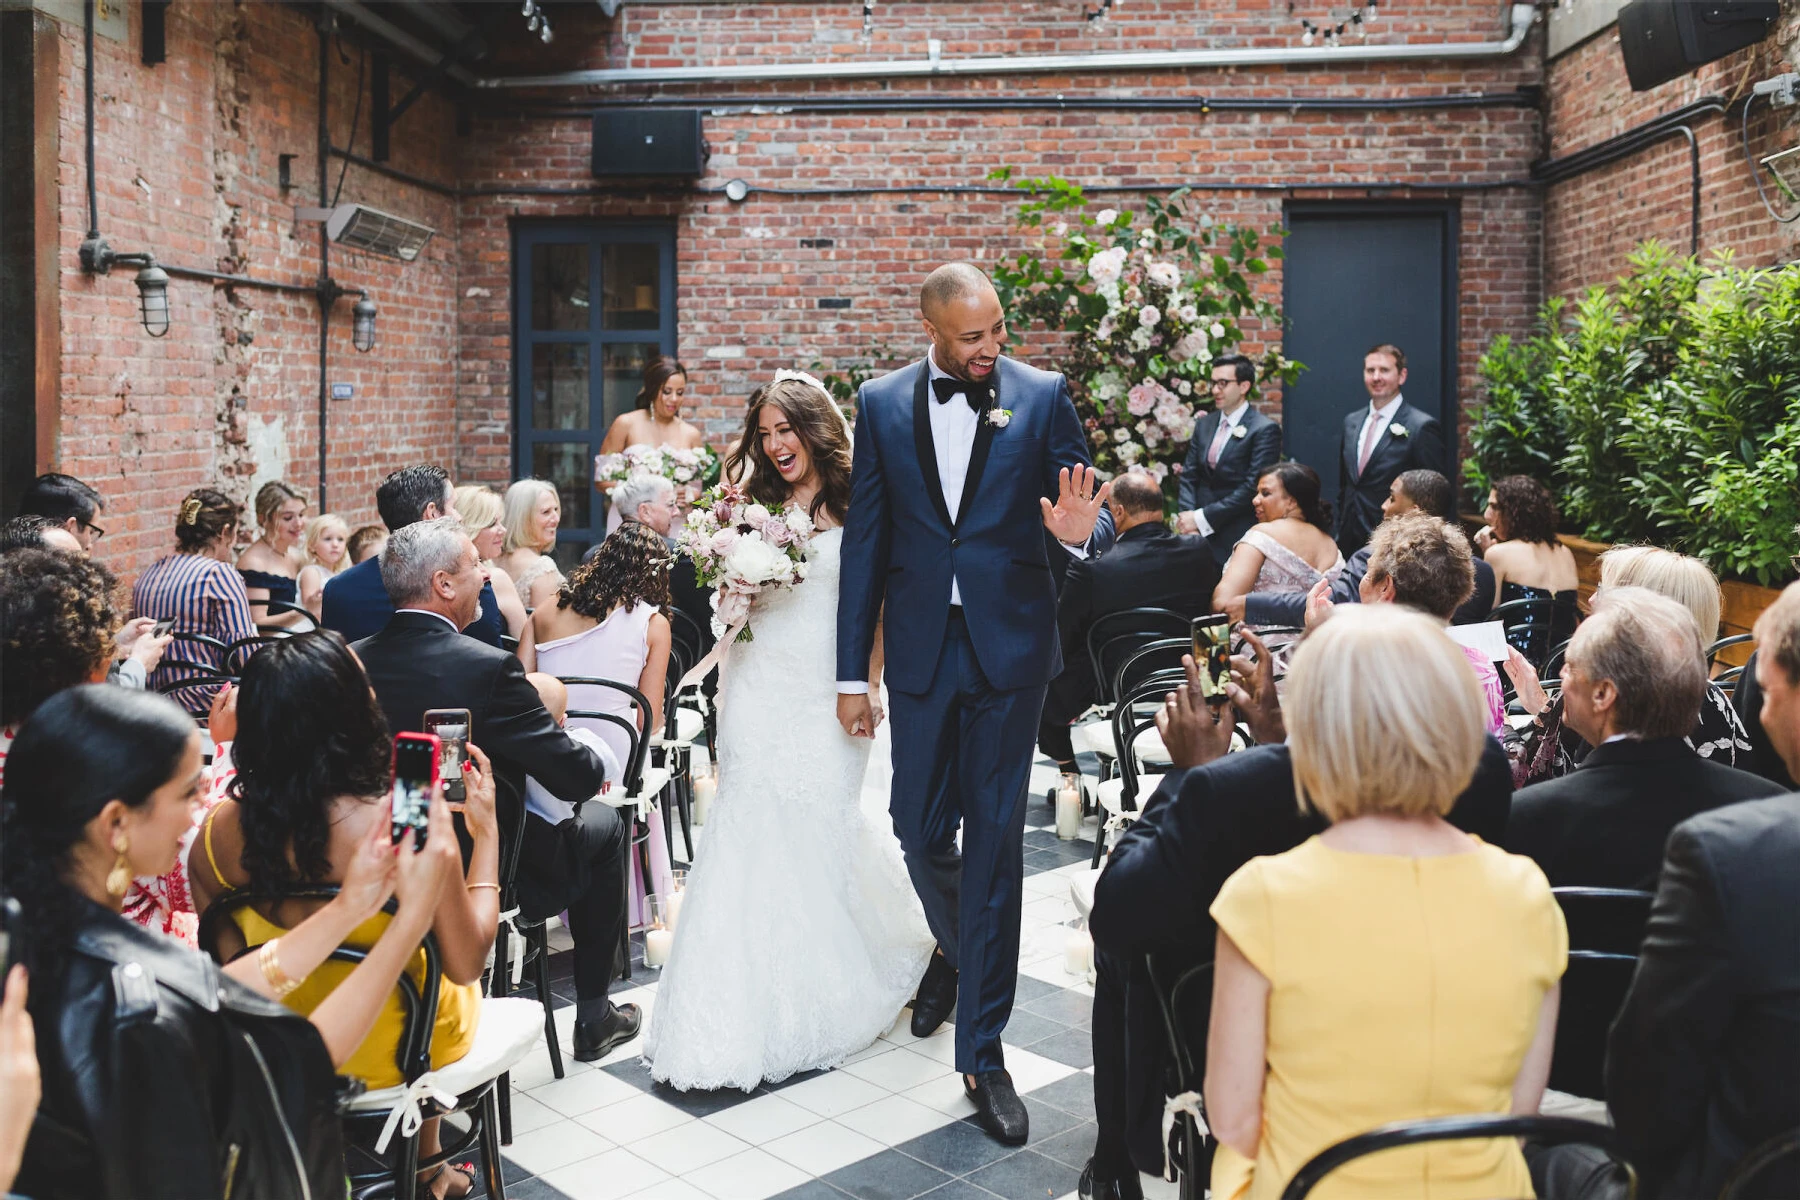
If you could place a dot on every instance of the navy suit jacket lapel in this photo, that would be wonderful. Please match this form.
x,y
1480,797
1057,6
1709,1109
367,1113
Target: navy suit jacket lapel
x,y
925,446
984,441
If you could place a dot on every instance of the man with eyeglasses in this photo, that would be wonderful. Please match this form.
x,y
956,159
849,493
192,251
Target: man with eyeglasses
x,y
70,503
1231,448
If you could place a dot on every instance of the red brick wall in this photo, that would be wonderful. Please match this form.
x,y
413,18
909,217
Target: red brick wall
x,y
1592,222
746,279
146,420
230,394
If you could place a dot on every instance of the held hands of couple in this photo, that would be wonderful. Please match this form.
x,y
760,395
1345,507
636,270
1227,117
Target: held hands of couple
x,y
859,714
1071,519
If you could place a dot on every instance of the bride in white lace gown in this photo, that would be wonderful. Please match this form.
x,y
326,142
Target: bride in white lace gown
x,y
800,938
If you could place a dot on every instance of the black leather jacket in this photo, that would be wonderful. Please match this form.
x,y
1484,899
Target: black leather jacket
x,y
163,1079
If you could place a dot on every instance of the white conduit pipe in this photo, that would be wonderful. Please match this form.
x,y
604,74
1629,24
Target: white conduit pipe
x,y
1520,17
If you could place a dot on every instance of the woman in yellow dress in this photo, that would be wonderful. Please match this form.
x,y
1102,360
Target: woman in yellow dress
x,y
1391,968
312,756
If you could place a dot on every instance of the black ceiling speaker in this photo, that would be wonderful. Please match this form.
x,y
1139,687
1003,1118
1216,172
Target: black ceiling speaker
x,y
651,141
1665,39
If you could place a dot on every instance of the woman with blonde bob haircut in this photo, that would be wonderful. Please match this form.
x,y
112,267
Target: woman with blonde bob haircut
x,y
1544,752
1392,968
481,510
532,513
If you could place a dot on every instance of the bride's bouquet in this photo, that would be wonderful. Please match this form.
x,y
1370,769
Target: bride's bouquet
x,y
738,548
679,467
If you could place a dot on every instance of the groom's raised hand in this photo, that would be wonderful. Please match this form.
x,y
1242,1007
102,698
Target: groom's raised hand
x,y
1071,519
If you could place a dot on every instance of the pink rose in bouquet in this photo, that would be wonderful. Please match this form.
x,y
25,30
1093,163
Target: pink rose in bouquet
x,y
739,548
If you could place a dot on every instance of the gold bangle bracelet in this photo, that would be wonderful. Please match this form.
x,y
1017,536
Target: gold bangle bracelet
x,y
472,886
273,975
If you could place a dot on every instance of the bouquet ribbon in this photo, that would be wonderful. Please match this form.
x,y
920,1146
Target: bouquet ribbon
x,y
714,657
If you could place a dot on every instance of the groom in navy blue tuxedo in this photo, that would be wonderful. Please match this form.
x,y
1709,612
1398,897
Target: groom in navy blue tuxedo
x,y
962,461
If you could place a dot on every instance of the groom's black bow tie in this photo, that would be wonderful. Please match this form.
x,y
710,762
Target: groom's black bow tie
x,y
946,388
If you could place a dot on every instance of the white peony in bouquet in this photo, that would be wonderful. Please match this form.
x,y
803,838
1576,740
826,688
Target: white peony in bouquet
x,y
680,467
738,548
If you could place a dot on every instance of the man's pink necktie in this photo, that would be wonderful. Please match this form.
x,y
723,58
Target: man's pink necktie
x,y
1370,436
1218,442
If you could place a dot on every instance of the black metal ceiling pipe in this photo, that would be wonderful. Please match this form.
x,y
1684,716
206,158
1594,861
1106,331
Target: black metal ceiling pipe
x,y
901,102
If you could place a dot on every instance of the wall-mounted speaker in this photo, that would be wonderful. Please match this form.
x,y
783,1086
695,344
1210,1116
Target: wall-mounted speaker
x,y
651,141
1665,39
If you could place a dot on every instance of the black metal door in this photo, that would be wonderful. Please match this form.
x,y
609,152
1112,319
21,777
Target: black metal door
x,y
592,304
1353,277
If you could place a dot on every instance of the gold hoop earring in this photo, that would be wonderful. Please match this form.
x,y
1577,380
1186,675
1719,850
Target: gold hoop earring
x,y
118,880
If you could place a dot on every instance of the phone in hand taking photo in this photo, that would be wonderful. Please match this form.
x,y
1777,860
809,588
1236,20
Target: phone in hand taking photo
x,y
1212,654
416,777
451,725
162,628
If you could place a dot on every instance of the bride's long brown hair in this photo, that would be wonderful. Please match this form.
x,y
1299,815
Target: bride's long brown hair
x,y
812,415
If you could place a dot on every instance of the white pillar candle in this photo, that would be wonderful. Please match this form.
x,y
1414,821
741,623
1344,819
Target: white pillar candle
x,y
672,909
656,947
705,787
1068,813
1078,953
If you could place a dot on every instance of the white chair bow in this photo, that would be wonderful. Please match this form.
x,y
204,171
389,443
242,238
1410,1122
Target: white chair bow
x,y
1189,1103
407,1115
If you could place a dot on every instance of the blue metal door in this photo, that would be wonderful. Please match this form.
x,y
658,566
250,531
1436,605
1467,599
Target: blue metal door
x,y
592,305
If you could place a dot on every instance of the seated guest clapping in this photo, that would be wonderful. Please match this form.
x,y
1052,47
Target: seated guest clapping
x,y
1632,685
1391,968
141,1040
1212,813
1421,490
312,755
1147,566
433,578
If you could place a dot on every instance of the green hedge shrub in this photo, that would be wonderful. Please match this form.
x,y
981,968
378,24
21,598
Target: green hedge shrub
x,y
1664,409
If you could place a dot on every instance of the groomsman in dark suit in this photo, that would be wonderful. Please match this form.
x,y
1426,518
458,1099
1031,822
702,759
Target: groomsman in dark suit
x,y
1232,446
1381,439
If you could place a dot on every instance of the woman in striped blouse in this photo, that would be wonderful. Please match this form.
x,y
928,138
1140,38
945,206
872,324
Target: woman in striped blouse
x,y
197,589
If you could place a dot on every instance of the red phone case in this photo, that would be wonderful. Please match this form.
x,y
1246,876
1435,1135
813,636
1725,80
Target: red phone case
x,y
432,742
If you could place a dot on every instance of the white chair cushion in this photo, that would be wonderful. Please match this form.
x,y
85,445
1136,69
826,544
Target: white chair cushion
x,y
1093,738
1149,748
508,1029
1111,793
688,726
1081,890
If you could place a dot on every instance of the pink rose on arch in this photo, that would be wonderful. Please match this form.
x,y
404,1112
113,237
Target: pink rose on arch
x,y
1142,398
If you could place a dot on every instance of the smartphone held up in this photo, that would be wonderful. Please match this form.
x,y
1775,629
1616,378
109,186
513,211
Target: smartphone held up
x,y
451,726
1212,655
416,777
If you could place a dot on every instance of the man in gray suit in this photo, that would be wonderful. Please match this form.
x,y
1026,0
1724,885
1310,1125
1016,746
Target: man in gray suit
x,y
1381,439
1232,446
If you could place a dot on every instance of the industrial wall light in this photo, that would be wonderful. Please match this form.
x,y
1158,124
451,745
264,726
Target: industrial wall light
x,y
736,190
98,258
362,324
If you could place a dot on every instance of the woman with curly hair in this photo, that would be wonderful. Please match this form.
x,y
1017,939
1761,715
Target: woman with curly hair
x,y
312,755
609,622
1520,543
196,588
1289,549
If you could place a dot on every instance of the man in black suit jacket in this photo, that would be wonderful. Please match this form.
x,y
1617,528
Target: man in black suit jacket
x,y
1633,683
419,661
1232,446
1747,699
355,602
1199,826
1147,567
1702,1062
1419,490
1381,439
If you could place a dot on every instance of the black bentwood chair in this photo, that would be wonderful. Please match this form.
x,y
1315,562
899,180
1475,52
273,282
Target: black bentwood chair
x,y
1184,998
1606,926
1548,1131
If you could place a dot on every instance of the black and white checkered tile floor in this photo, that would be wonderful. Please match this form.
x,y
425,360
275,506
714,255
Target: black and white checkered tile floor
x,y
890,1124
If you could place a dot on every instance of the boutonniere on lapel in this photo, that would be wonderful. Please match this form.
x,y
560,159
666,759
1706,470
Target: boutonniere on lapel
x,y
999,418
1238,431
1398,430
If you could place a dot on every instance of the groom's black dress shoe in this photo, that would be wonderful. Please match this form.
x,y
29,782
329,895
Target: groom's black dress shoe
x,y
1096,1184
998,1107
936,999
596,1039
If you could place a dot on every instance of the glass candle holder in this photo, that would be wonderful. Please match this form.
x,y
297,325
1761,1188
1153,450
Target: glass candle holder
x,y
659,938
1068,807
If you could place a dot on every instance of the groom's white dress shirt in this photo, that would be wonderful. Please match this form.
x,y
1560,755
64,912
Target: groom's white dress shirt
x,y
953,425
